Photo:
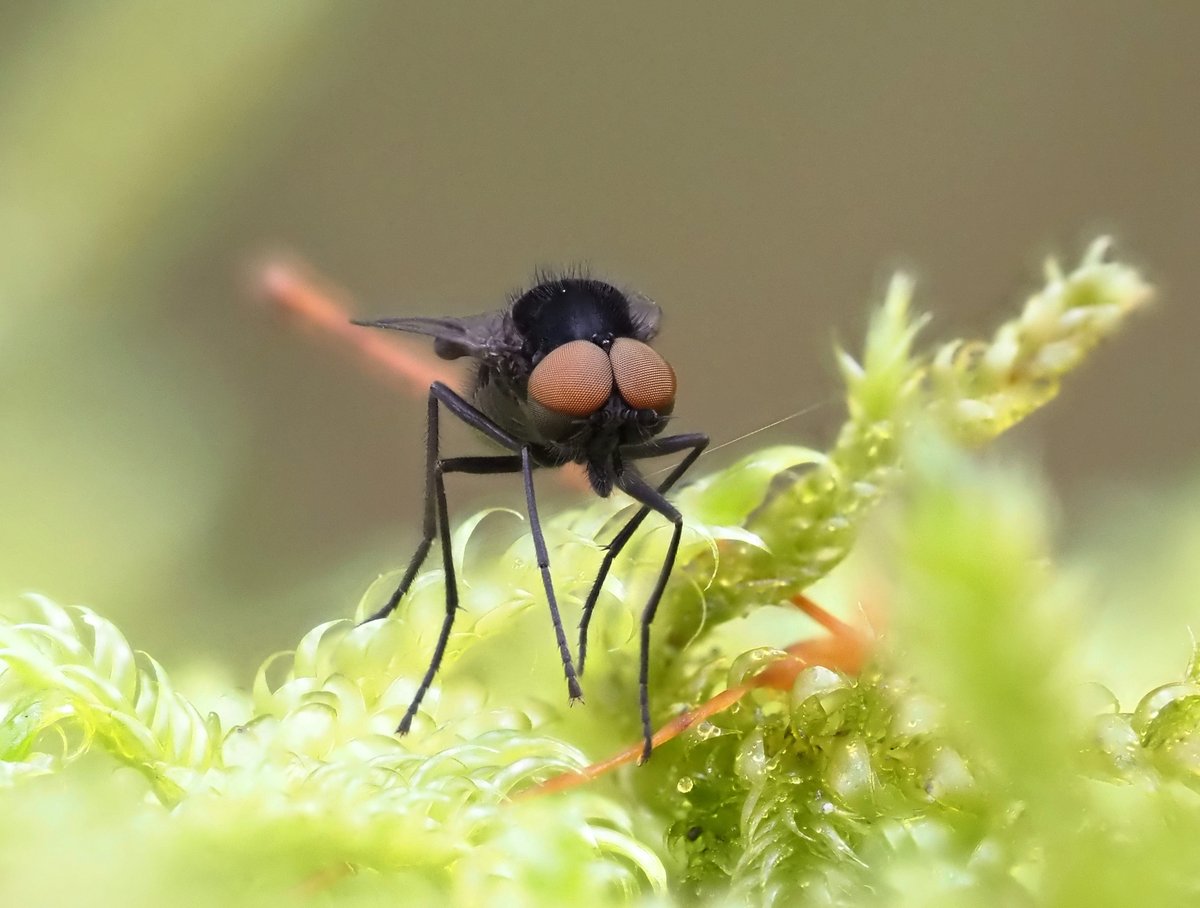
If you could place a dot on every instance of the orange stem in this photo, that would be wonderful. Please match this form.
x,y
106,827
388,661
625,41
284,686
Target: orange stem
x,y
845,649
676,726
299,292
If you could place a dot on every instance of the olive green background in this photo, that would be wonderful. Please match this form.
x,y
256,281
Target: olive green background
x,y
218,482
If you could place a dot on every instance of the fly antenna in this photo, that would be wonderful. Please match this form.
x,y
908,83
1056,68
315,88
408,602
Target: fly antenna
x,y
771,425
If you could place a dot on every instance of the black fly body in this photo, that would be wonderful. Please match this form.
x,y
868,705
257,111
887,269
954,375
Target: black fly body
x,y
564,374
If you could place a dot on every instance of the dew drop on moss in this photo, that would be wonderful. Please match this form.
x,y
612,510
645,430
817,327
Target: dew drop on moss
x,y
685,784
849,773
1158,699
836,524
1118,741
750,663
949,775
815,679
751,761
865,489
914,714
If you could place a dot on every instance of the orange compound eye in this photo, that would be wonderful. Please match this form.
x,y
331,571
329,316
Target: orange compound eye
x,y
643,377
575,379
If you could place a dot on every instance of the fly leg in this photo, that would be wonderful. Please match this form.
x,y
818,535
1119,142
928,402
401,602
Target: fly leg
x,y
694,443
637,488
436,521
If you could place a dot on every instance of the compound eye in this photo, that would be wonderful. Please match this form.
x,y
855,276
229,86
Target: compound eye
x,y
575,379
643,377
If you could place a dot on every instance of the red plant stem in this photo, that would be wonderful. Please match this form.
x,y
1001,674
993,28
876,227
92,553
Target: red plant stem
x,y
296,290
845,649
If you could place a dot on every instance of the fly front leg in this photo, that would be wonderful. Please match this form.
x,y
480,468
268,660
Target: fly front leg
x,y
429,525
543,560
637,488
694,443
473,465
436,522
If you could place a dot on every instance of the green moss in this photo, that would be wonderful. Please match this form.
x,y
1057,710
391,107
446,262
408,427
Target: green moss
x,y
963,766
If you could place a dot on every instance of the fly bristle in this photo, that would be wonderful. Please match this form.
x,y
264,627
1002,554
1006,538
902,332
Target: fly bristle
x,y
551,280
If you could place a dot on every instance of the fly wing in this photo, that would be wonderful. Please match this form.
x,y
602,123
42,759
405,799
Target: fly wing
x,y
645,315
478,336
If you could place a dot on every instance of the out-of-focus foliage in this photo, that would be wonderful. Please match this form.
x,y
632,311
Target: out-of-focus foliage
x,y
964,766
109,165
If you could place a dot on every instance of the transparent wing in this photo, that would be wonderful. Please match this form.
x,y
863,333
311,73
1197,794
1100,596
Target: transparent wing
x,y
646,315
477,336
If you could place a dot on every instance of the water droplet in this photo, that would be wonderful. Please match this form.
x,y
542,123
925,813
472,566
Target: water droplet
x,y
750,663
706,730
1155,701
1118,741
850,774
815,680
751,760
948,775
915,714
685,784
864,489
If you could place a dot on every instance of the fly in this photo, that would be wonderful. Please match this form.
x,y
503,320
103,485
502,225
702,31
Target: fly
x,y
564,374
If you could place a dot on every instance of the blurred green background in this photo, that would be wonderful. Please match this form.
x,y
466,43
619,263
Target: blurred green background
x,y
217,483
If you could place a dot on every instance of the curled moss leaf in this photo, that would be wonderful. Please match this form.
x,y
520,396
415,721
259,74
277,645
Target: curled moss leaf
x,y
75,668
